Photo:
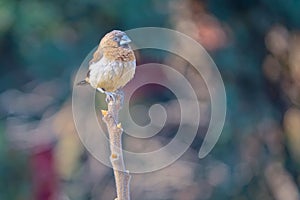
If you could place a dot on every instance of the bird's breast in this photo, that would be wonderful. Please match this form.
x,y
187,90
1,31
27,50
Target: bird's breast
x,y
111,75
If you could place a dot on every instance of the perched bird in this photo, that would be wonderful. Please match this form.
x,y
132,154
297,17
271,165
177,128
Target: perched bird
x,y
113,64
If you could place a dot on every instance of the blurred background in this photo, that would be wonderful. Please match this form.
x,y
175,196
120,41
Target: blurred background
x,y
256,46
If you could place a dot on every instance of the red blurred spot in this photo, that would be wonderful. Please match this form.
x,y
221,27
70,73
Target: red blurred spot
x,y
44,176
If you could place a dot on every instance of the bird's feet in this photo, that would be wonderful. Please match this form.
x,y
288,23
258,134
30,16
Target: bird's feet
x,y
110,96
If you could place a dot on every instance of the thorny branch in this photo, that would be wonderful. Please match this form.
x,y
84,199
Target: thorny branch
x,y
122,176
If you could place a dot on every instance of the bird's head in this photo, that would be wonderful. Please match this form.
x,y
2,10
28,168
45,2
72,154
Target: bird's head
x,y
115,39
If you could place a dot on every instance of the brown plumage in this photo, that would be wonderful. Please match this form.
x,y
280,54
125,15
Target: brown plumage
x,y
113,63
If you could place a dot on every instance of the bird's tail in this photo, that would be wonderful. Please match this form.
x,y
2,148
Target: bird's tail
x,y
84,82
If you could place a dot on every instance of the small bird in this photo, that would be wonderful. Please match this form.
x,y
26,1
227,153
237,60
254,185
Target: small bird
x,y
112,66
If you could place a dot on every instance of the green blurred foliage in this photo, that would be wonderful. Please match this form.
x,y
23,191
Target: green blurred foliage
x,y
47,39
14,172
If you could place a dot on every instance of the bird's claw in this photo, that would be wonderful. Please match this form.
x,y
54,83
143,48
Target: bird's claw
x,y
110,96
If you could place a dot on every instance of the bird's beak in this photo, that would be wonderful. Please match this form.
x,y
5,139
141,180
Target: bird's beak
x,y
124,40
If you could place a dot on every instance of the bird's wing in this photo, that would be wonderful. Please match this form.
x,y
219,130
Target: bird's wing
x,y
96,56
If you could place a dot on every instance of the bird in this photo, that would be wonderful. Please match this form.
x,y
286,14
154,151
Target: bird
x,y
112,66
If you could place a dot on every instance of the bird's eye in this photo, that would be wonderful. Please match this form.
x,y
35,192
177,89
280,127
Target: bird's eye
x,y
116,39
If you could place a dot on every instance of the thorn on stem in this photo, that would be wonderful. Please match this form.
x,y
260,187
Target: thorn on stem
x,y
119,126
114,156
104,112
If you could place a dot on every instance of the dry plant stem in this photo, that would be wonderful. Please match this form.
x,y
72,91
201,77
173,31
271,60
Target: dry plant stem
x,y
122,176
